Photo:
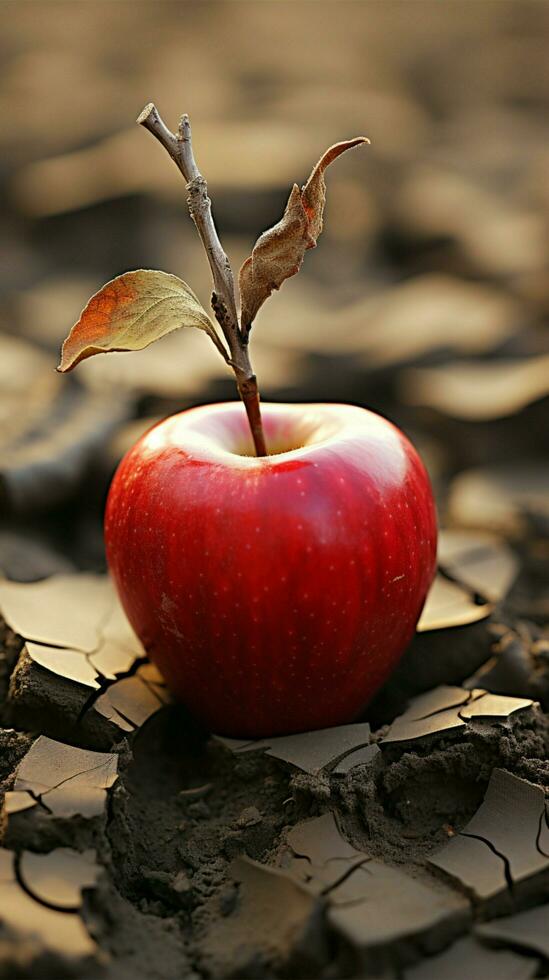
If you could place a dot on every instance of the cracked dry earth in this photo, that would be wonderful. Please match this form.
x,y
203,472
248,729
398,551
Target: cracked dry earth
x,y
411,844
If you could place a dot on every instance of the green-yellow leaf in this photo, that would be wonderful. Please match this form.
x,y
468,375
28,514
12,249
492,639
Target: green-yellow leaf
x,y
131,312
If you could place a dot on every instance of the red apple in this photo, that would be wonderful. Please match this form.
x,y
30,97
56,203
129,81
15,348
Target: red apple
x,y
275,594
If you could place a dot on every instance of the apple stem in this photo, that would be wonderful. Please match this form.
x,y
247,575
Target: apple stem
x,y
180,150
249,394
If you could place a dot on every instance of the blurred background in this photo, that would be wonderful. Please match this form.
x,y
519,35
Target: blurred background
x,y
427,298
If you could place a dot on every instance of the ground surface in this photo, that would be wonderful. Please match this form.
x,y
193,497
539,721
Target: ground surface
x,y
137,845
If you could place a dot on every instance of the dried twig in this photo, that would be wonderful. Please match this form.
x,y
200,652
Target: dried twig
x,y
180,150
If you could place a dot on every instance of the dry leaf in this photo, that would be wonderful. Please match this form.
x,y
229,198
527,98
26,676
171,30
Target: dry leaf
x,y
61,611
493,234
58,879
448,605
430,312
478,569
132,311
479,390
62,933
479,560
70,781
404,323
502,497
278,252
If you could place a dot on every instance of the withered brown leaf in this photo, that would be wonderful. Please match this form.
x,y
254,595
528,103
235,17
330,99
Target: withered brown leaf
x,y
278,252
131,312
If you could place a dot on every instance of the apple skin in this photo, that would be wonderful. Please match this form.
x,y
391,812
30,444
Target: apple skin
x,y
274,594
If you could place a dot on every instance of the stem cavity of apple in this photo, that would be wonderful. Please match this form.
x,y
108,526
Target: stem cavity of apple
x,y
223,300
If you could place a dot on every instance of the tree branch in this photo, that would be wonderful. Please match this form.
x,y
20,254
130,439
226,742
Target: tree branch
x,y
180,149
223,298
150,119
